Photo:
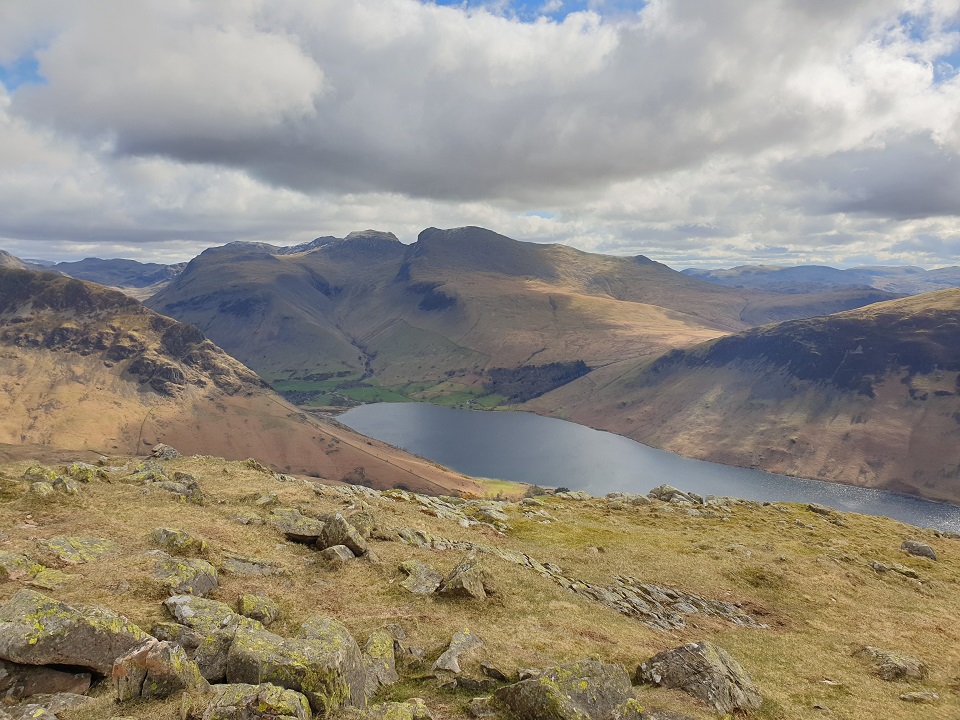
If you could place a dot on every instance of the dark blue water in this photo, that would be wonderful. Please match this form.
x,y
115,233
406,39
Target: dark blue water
x,y
546,451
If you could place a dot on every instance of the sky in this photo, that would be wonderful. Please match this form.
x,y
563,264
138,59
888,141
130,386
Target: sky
x,y
696,132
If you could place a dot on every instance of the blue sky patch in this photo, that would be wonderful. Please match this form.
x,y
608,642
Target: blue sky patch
x,y
529,10
25,70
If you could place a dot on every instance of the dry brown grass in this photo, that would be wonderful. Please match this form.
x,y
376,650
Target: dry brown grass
x,y
813,587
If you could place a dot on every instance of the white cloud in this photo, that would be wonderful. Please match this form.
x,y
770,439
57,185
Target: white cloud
x,y
692,131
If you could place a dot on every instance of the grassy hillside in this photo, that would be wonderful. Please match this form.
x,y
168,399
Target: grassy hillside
x,y
366,316
86,367
869,397
807,578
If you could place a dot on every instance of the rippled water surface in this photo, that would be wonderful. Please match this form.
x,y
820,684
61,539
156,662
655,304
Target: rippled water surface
x,y
550,452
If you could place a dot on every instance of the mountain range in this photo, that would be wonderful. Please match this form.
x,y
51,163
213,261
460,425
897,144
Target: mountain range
x,y
828,378
85,367
906,280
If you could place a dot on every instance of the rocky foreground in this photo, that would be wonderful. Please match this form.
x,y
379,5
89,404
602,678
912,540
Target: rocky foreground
x,y
174,587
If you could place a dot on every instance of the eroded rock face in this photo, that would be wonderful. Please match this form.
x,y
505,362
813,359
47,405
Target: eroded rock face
x,y
156,669
266,701
37,630
705,671
584,690
325,664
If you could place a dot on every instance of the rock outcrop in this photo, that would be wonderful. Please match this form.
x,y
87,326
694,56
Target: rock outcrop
x,y
37,630
156,669
705,671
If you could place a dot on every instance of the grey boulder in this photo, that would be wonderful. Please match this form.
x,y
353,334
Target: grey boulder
x,y
705,671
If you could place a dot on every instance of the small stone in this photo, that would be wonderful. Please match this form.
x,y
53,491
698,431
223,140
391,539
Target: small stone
x,y
467,579
889,665
164,452
297,526
260,608
180,576
338,531
41,489
820,509
337,555
178,541
914,547
65,486
421,578
462,642
266,500
924,697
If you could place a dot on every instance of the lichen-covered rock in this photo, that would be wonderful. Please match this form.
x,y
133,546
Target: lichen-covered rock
x,y
187,638
462,642
46,707
364,522
467,579
164,452
66,486
421,578
259,607
156,669
50,579
84,472
79,550
337,531
178,541
705,671
296,526
37,630
919,549
14,566
326,665
22,681
41,489
889,665
584,690
337,556
211,654
241,701
179,576
202,614
381,662
39,473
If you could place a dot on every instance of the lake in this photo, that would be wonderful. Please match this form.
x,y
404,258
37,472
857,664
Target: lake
x,y
546,451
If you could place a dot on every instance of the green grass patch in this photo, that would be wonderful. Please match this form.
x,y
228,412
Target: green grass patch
x,y
371,394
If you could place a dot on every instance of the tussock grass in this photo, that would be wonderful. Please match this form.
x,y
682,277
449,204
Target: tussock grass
x,y
814,588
